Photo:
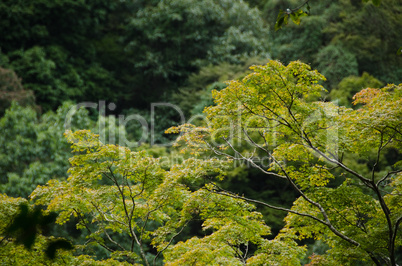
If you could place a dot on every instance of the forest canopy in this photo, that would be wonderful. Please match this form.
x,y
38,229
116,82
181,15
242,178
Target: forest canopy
x,y
183,132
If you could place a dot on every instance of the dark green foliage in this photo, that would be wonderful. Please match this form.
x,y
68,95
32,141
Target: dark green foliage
x,y
206,98
55,46
335,63
54,245
294,14
18,139
341,38
370,33
299,41
28,223
133,52
148,126
169,41
33,148
138,52
349,86
196,94
251,183
375,2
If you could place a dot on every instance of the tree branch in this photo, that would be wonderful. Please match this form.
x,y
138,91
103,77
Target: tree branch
x,y
326,223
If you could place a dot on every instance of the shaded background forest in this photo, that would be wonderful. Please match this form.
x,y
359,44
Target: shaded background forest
x,y
54,54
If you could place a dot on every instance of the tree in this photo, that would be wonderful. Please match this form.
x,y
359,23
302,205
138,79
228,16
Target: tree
x,y
340,26
296,13
308,142
63,50
169,40
137,210
23,240
119,195
349,86
127,51
32,147
11,89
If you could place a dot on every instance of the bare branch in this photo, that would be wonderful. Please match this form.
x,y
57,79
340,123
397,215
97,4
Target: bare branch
x,y
387,175
326,223
129,217
170,242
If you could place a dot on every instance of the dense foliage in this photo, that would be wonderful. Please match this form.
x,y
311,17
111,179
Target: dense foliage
x,y
132,52
265,170
306,141
340,38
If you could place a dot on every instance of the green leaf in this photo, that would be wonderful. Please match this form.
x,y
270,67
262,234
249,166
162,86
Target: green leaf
x,y
399,52
280,19
295,18
279,22
376,2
